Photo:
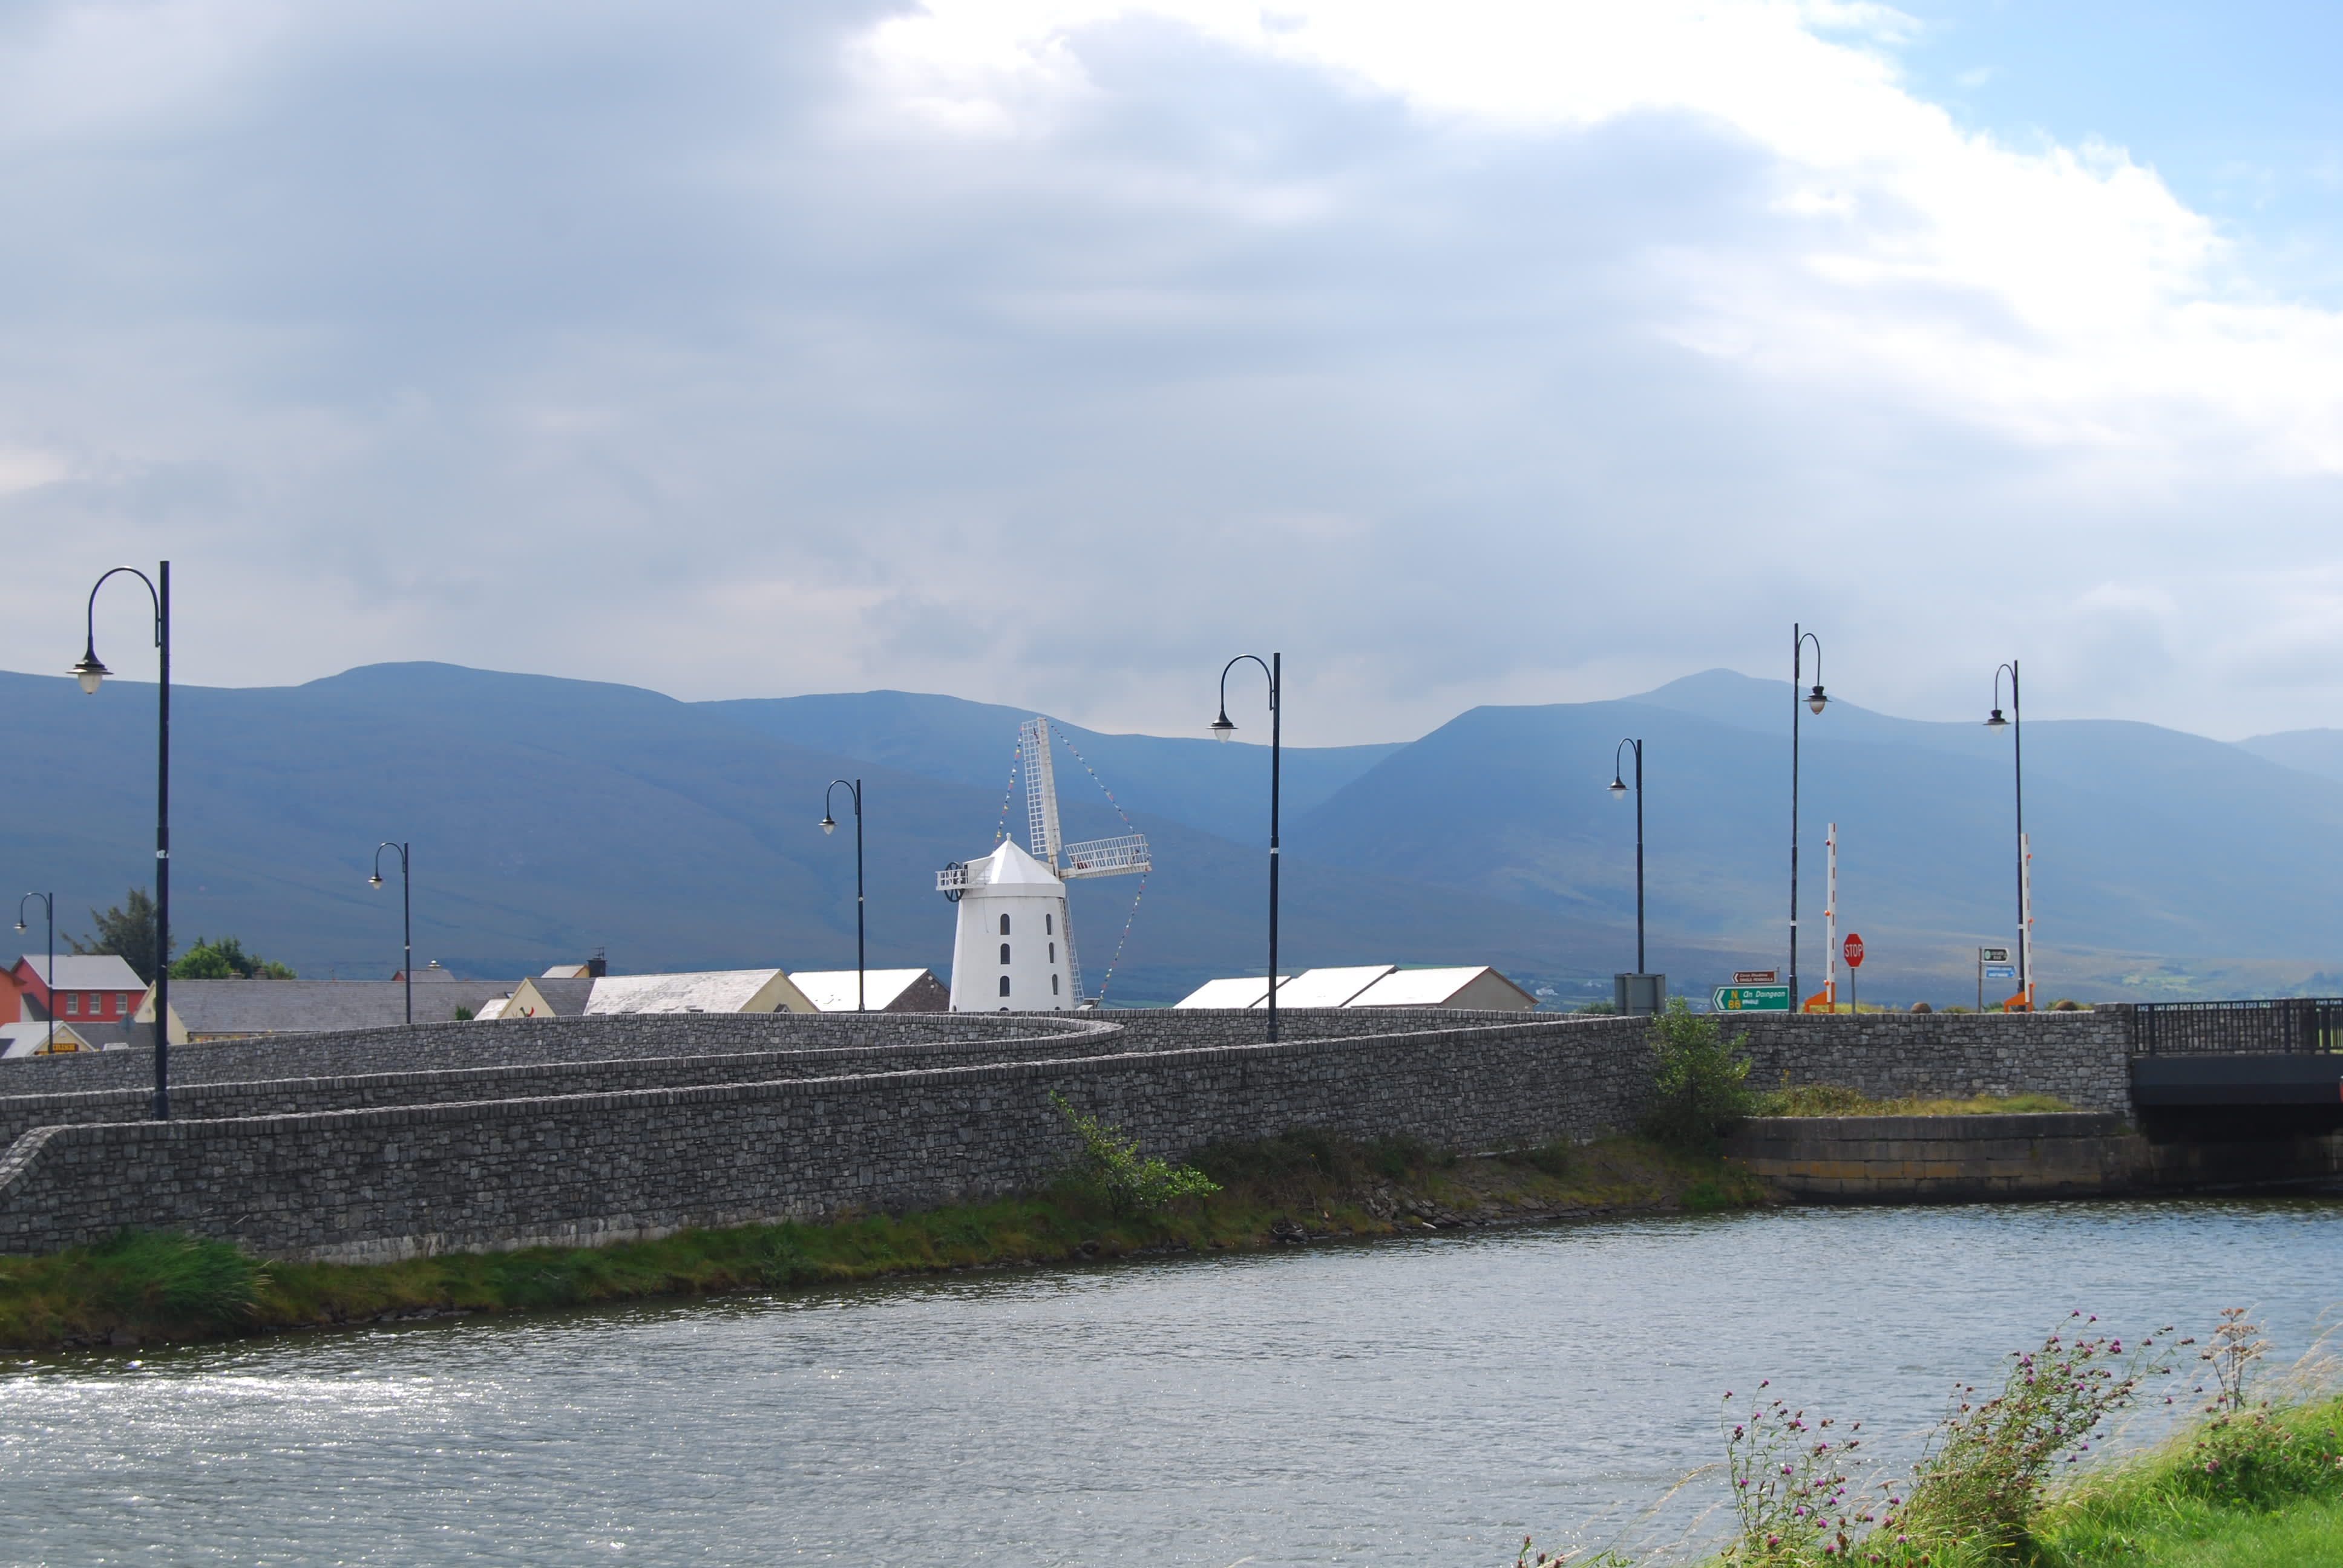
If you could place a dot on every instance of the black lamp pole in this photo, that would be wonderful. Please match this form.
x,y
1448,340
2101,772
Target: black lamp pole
x,y
49,902
862,1001
89,672
406,915
1222,730
2017,725
1814,700
1618,789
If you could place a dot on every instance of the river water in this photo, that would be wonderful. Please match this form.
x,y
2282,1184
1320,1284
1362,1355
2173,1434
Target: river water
x,y
1418,1402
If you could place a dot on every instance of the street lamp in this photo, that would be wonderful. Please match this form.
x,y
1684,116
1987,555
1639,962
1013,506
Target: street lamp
x,y
2016,725
1619,792
89,672
1221,729
49,902
1812,700
406,915
830,826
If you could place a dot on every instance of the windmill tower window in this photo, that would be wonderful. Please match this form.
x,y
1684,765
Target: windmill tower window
x,y
1048,925
1053,985
1054,952
1004,928
1004,952
1004,985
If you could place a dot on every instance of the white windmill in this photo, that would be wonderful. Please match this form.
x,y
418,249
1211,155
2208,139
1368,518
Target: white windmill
x,y
1012,950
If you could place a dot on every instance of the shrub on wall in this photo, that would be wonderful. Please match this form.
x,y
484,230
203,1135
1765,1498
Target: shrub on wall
x,y
1700,1078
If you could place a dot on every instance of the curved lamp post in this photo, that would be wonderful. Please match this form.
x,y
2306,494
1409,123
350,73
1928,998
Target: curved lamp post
x,y
48,902
89,672
2016,725
1815,700
1619,792
1222,730
830,825
406,915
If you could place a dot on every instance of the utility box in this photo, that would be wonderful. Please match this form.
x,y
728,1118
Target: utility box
x,y
1640,995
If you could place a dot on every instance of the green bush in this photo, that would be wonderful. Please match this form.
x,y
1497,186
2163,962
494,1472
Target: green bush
x,y
1984,1475
1700,1079
225,960
1108,1165
151,1277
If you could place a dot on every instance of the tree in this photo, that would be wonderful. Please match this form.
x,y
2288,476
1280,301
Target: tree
x,y
125,931
1700,1079
225,960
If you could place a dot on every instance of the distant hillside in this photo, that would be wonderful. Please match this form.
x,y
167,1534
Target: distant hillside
x,y
2318,751
1220,788
553,816
2164,862
549,816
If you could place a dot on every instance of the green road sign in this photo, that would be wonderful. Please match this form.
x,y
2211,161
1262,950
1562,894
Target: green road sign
x,y
1753,998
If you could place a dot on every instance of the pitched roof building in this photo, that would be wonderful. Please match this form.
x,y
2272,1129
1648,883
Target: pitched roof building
x,y
1470,986
233,1009
883,991
86,985
709,991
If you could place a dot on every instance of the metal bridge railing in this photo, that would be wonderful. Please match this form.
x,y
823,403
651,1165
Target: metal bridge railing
x,y
2278,1026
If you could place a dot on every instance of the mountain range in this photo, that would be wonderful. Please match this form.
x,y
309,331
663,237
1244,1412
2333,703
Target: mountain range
x,y
552,817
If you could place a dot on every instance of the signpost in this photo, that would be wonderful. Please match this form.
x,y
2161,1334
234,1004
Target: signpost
x,y
1852,950
1993,963
1752,999
1756,977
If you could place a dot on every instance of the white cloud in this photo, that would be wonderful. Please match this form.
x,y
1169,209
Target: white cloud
x,y
1050,352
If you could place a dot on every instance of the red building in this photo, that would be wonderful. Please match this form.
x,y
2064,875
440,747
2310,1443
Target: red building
x,y
102,989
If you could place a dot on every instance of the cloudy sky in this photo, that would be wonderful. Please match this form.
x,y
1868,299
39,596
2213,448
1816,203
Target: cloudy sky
x,y
1051,351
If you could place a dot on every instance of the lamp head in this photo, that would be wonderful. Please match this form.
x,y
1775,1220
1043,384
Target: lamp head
x,y
1815,700
88,670
1996,721
375,880
1618,788
827,825
1222,727
20,924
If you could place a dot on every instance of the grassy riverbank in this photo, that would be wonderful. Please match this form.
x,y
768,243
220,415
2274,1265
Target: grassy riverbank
x,y
143,1288
2252,1479
1834,1100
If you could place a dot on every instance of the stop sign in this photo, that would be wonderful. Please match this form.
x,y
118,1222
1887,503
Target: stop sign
x,y
1853,949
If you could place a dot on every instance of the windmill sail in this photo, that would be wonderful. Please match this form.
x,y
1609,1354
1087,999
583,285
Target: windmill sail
x,y
1124,855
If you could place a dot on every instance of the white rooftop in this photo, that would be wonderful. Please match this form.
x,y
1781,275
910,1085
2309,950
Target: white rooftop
x,y
1243,992
97,971
1327,987
710,991
1009,866
1419,988
832,990
27,1038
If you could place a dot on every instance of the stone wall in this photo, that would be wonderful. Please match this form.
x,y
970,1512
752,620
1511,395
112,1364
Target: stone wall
x,y
396,1181
436,1047
1956,1159
2083,1057
20,1113
386,1142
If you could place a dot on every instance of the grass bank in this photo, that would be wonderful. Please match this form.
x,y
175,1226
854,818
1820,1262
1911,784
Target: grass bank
x,y
144,1288
2262,1486
2249,1479
1836,1099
